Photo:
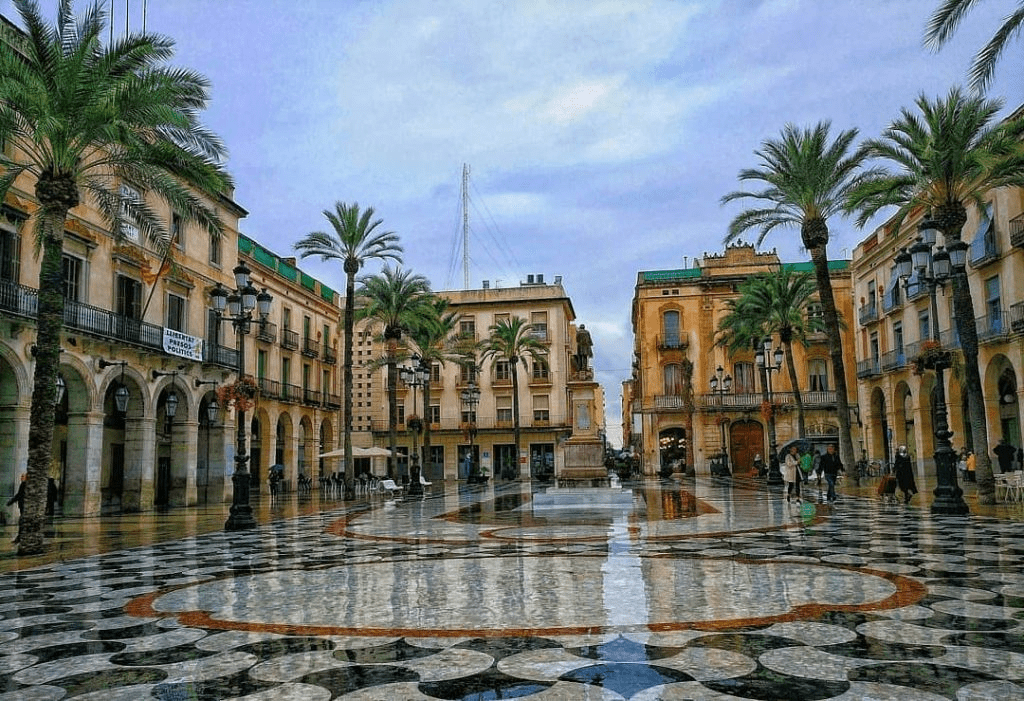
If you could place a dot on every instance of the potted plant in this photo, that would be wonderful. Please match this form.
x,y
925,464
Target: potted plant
x,y
242,393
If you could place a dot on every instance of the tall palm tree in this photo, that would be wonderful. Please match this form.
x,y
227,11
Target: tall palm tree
x,y
81,117
948,157
396,300
780,300
437,339
946,19
807,177
354,241
513,340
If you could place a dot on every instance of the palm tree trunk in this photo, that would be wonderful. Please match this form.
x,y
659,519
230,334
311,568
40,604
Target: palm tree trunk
x,y
512,363
350,308
794,382
963,306
835,349
50,319
392,407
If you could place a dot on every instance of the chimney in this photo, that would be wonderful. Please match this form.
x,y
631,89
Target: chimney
x,y
487,284
529,279
540,279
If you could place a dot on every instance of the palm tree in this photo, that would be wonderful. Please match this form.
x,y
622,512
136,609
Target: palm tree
x,y
396,300
807,177
948,157
512,339
438,341
355,239
946,19
779,300
82,117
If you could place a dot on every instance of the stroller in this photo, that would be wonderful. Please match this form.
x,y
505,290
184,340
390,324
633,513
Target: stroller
x,y
887,489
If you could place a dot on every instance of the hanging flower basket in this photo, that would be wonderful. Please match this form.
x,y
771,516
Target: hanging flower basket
x,y
930,356
414,423
242,393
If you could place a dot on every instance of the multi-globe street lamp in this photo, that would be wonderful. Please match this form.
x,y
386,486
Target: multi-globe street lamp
x,y
764,358
240,305
415,375
934,267
470,399
720,386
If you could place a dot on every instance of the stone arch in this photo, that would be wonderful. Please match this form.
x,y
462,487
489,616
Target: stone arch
x,y
284,443
904,417
878,446
325,443
1007,392
305,451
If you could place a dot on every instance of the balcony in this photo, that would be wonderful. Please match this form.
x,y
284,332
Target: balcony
x,y
20,301
993,327
1016,317
291,393
269,389
332,401
669,402
672,341
1017,231
311,397
741,401
892,300
289,339
310,348
894,360
984,250
869,368
541,380
751,401
868,313
330,355
266,332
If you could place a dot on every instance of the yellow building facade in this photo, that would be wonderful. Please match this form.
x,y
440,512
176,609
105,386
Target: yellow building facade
x,y
671,416
894,320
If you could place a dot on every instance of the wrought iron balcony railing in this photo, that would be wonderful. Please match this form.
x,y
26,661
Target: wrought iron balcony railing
x,y
289,339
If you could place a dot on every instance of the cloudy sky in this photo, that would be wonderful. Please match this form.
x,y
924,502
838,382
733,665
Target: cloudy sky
x,y
600,135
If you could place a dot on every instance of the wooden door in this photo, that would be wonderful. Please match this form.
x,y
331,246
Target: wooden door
x,y
747,441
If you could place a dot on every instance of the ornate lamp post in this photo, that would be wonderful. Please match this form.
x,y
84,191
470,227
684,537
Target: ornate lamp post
x,y
240,305
720,386
764,357
415,375
121,394
934,267
470,399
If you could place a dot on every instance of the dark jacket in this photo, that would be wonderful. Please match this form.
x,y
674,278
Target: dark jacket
x,y
831,464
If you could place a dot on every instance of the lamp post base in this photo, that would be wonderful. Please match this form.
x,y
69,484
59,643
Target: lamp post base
x,y
415,486
949,498
240,518
775,474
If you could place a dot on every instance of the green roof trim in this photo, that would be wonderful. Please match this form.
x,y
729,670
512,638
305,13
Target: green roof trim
x,y
662,275
287,271
307,281
244,244
262,255
327,293
808,266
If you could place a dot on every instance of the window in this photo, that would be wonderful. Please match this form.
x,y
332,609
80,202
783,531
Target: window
x,y
286,318
897,339
539,322
305,377
261,364
541,369
468,417
286,371
815,316
993,304
984,243
130,202
176,313
875,351
435,373
817,375
892,291
72,271
177,232
467,327
541,412
670,329
467,374
673,376
743,378
501,319
870,304
10,256
504,409
434,414
129,297
502,371
215,250
401,414
924,326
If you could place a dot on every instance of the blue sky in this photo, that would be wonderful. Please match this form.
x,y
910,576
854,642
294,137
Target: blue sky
x,y
600,135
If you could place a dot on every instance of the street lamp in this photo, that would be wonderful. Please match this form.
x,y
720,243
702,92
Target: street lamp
x,y
763,356
470,399
415,375
720,386
934,267
171,400
240,305
121,394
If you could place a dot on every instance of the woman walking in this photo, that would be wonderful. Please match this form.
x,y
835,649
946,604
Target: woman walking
x,y
791,474
905,474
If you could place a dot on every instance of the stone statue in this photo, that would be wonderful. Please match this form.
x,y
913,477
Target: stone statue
x,y
584,348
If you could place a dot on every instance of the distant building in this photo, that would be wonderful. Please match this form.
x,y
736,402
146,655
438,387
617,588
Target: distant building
x,y
670,415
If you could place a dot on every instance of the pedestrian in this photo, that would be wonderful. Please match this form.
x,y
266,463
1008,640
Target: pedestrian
x,y
1005,453
831,466
790,473
971,463
905,474
19,499
816,466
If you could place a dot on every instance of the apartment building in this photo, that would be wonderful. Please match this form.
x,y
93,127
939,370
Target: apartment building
x,y
671,416
896,321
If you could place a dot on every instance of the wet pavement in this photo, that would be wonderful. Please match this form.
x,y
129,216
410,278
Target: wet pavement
x,y
699,589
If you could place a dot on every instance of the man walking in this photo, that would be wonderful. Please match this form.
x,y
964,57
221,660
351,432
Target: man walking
x,y
830,467
1005,453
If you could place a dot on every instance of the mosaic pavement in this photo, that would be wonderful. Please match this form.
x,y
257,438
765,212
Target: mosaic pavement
x,y
708,591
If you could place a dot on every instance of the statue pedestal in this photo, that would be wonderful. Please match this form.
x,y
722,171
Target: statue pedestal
x,y
584,460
